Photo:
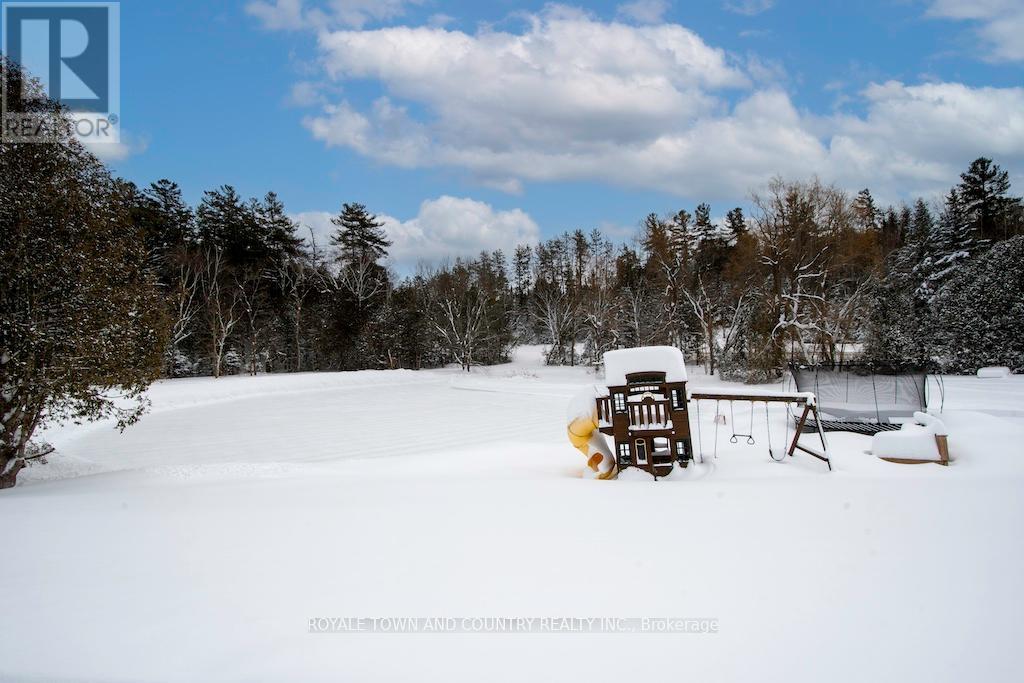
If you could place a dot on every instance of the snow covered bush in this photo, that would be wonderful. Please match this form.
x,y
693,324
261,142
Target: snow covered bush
x,y
180,365
979,312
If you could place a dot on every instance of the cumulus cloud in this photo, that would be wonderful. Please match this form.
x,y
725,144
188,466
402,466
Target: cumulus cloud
x,y
294,15
749,7
567,84
920,136
644,11
573,98
1000,24
443,227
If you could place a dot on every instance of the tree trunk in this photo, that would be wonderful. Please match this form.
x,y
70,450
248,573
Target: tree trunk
x,y
298,339
10,471
711,344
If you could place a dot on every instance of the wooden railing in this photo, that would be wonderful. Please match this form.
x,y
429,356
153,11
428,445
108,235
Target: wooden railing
x,y
649,415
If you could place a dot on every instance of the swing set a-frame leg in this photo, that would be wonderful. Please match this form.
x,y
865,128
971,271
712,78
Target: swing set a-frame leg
x,y
810,409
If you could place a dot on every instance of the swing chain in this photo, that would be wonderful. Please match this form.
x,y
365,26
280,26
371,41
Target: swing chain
x,y
768,430
750,432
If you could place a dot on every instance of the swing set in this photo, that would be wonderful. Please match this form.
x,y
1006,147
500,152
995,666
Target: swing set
x,y
810,410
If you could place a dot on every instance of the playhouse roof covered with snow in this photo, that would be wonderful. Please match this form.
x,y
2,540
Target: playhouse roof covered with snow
x,y
667,359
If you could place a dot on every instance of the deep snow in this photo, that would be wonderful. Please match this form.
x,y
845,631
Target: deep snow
x,y
198,544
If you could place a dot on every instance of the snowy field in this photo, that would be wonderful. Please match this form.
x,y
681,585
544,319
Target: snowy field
x,y
198,544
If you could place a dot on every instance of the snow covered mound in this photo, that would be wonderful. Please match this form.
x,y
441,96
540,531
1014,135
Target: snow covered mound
x,y
635,474
994,372
667,359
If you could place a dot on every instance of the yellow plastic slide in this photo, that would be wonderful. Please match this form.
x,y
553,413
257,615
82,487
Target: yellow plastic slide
x,y
587,438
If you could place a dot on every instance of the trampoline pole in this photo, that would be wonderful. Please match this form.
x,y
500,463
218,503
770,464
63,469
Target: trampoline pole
x,y
821,435
874,392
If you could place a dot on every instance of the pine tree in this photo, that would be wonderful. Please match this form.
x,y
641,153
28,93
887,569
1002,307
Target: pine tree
x,y
706,230
989,211
227,223
865,212
953,241
359,238
898,322
522,266
580,257
681,236
277,230
655,241
921,226
736,223
892,228
171,220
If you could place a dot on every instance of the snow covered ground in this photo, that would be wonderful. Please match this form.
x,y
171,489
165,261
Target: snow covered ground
x,y
198,544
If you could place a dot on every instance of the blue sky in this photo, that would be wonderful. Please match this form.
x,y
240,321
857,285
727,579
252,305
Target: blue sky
x,y
478,124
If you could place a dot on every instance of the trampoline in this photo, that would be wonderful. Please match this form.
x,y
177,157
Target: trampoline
x,y
866,399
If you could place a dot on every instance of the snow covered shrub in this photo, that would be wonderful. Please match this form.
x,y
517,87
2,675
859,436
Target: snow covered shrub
x,y
979,312
233,362
896,323
180,365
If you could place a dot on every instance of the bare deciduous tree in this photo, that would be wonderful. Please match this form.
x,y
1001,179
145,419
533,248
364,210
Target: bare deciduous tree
x,y
220,301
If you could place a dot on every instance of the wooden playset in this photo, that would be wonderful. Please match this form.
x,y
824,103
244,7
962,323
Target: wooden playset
x,y
645,409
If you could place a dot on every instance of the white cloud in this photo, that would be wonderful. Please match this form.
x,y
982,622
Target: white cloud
x,y
294,15
919,137
572,98
567,81
306,94
1000,24
444,227
278,15
644,11
749,7
128,145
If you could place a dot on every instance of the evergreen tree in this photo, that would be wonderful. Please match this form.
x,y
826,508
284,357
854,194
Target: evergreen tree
x,y
988,210
359,238
979,312
170,222
82,326
736,223
681,236
705,229
921,224
866,214
580,257
227,223
892,228
277,230
956,236
657,248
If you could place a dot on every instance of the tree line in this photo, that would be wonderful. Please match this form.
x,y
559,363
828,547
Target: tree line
x,y
813,275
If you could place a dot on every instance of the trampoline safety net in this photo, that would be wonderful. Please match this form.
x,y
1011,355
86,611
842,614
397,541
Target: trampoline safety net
x,y
862,399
